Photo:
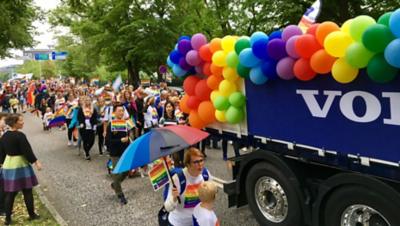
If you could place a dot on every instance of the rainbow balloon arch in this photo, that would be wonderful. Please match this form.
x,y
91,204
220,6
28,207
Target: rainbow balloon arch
x,y
215,70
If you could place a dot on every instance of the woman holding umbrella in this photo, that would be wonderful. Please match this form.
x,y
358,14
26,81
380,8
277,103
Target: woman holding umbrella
x,y
183,197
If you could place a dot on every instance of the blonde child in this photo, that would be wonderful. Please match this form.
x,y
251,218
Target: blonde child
x,y
203,213
48,116
14,102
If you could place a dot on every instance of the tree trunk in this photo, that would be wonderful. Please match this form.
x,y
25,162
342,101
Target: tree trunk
x,y
133,74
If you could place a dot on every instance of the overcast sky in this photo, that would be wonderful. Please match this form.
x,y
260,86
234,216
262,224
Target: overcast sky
x,y
45,36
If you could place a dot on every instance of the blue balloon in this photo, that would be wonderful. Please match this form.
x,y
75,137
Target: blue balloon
x,y
268,68
169,62
257,77
260,48
183,37
258,36
178,71
175,55
275,34
247,58
394,23
392,53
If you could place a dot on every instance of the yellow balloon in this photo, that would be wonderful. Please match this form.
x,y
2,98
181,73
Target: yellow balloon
x,y
346,26
228,43
336,43
219,58
230,74
220,116
343,72
214,94
226,87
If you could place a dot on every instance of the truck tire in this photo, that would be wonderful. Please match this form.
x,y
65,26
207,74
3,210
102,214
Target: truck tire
x,y
275,203
350,206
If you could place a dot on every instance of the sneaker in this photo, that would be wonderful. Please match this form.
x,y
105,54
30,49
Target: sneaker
x,y
88,158
69,143
122,199
34,217
101,153
75,144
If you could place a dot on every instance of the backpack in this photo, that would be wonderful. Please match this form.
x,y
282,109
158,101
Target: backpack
x,y
163,213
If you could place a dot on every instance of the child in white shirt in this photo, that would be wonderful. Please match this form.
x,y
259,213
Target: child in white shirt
x,y
48,116
203,213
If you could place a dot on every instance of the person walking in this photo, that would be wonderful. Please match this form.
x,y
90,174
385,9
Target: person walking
x,y
87,118
17,172
117,140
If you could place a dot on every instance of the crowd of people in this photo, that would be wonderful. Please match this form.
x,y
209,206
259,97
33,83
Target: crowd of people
x,y
90,111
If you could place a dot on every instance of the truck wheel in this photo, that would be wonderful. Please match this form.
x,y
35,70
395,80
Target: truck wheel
x,y
357,206
272,197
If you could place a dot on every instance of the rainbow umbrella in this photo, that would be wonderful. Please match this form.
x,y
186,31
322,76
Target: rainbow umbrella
x,y
156,144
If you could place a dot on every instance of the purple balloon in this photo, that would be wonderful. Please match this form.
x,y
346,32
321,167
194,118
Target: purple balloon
x,y
290,31
276,49
290,47
184,65
198,40
284,68
184,46
192,58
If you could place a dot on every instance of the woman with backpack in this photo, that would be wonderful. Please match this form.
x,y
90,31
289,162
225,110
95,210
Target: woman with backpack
x,y
183,197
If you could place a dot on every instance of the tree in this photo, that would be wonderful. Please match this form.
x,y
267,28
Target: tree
x,y
16,30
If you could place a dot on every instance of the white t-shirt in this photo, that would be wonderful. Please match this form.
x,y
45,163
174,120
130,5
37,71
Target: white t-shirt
x,y
181,214
204,217
108,110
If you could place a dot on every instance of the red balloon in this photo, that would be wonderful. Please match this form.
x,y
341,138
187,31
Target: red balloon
x,y
206,69
189,84
205,53
303,71
313,29
213,81
306,45
207,112
215,70
321,62
202,90
195,120
193,102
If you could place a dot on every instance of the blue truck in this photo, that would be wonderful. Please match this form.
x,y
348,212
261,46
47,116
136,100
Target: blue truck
x,y
326,154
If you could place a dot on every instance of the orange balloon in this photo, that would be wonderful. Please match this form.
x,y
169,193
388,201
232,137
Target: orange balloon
x,y
195,120
206,112
303,71
324,30
183,104
321,62
215,45
205,52
215,70
213,81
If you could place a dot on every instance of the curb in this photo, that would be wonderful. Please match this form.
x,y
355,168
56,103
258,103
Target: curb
x,y
50,207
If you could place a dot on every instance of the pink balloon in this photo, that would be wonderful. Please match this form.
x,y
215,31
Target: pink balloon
x,y
284,68
290,47
192,58
290,31
198,40
199,69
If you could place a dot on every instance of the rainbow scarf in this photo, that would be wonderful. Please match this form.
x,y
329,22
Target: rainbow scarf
x,y
191,196
158,175
118,125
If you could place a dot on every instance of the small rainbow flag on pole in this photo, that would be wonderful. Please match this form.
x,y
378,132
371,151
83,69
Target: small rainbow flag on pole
x,y
118,125
310,16
158,175
57,121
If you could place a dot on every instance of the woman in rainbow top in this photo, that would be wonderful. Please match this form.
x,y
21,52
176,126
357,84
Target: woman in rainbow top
x,y
182,198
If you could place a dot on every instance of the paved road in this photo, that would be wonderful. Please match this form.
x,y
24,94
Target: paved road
x,y
80,190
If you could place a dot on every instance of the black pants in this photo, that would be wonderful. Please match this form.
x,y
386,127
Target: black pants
x,y
28,198
70,130
2,198
88,136
100,136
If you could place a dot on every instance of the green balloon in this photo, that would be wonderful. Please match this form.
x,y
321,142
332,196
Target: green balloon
x,y
358,56
232,59
380,71
377,37
243,71
221,103
384,19
359,25
242,44
237,99
234,115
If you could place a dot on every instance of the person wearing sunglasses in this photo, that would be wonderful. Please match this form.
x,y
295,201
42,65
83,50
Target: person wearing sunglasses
x,y
184,196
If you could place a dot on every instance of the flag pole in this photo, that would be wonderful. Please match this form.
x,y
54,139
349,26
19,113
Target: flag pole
x,y
169,176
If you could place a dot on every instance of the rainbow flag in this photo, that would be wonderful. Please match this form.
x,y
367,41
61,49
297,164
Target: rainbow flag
x,y
310,16
158,175
60,112
191,196
130,124
57,121
118,125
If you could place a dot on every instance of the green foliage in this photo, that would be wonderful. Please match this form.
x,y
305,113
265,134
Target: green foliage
x,y
46,69
16,30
